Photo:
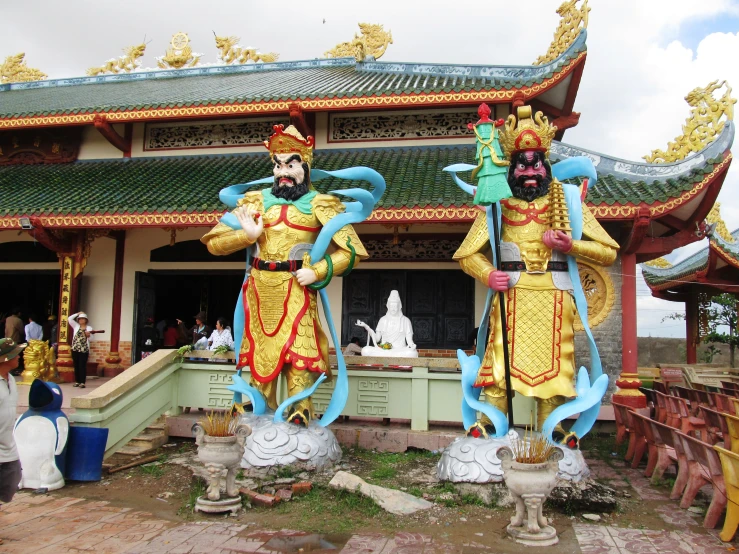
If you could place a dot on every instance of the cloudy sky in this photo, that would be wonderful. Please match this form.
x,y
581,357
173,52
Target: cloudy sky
x,y
643,56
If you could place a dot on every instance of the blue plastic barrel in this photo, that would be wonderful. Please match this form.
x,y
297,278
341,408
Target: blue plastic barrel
x,y
85,451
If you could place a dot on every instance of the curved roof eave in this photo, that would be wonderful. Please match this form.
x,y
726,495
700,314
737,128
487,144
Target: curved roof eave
x,y
642,171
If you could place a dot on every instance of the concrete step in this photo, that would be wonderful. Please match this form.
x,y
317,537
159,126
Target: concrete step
x,y
148,441
151,438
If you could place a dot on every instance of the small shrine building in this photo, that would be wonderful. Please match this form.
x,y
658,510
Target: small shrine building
x,y
107,183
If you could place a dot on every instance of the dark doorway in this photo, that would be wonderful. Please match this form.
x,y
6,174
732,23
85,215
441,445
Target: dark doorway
x,y
439,303
33,291
171,295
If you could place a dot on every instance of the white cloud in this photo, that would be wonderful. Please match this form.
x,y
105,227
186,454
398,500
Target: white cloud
x,y
631,95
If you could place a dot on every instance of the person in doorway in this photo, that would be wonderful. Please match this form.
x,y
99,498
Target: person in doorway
x,y
10,465
33,330
221,336
81,333
354,348
149,341
172,337
14,326
48,327
199,332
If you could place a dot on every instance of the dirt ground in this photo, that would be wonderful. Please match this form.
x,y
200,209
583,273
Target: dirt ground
x,y
168,490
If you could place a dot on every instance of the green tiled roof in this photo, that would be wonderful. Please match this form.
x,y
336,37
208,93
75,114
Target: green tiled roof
x,y
656,276
271,82
191,183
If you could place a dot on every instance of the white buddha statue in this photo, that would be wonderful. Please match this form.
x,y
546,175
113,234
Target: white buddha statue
x,y
394,329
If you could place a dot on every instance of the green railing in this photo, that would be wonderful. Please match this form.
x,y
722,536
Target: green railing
x,y
428,391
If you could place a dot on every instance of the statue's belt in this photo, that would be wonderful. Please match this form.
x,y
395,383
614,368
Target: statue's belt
x,y
288,265
521,266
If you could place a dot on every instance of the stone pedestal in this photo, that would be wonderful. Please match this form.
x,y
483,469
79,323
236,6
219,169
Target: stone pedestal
x,y
112,366
64,363
233,505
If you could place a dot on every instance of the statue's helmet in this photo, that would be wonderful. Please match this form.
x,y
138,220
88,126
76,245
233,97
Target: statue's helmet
x,y
290,141
527,132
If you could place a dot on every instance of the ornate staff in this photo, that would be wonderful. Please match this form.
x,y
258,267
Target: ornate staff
x,y
492,187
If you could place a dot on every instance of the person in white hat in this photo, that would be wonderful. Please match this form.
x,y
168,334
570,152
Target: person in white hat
x,y
81,333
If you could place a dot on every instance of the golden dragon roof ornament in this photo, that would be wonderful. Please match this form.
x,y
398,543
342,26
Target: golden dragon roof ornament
x,y
231,52
180,54
659,263
15,70
126,63
567,31
372,43
714,217
702,126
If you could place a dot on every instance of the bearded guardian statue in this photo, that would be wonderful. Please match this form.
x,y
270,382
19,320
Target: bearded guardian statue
x,y
538,255
394,334
281,329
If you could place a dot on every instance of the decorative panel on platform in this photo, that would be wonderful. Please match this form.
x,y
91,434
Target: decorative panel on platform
x,y
353,127
415,250
209,134
439,303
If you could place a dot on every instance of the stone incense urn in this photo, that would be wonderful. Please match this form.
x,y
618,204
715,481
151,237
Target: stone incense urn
x,y
530,484
218,454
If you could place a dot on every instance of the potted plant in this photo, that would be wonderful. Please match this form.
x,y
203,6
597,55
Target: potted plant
x,y
221,441
530,469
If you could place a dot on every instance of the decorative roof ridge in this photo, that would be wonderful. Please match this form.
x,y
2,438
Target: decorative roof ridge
x,y
475,70
198,71
641,171
700,256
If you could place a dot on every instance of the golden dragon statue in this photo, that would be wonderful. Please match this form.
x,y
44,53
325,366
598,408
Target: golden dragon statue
x,y
230,52
126,63
372,43
39,362
702,126
15,70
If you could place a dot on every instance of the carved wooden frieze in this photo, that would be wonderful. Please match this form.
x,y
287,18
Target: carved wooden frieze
x,y
411,249
401,126
40,146
209,134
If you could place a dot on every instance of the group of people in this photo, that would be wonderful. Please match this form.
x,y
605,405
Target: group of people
x,y
174,334
21,330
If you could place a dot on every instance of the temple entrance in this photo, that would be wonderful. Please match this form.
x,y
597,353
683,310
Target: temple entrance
x,y
439,303
33,291
171,295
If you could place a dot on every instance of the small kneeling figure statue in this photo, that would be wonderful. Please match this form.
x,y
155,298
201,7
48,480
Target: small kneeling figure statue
x,y
394,329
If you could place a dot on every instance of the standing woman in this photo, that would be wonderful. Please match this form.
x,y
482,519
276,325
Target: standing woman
x,y
221,336
81,332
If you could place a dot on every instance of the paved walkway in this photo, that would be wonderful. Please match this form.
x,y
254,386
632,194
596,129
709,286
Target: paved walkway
x,y
59,525
69,391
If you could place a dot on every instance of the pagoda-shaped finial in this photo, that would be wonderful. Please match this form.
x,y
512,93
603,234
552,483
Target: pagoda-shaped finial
x,y
180,54
559,217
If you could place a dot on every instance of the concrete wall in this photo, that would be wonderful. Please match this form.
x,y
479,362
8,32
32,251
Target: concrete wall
x,y
663,350
96,147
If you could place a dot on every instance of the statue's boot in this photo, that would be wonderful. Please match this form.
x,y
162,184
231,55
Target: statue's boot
x,y
497,398
544,407
301,412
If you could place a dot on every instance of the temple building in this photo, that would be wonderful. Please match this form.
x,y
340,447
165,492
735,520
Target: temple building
x,y
107,183
694,280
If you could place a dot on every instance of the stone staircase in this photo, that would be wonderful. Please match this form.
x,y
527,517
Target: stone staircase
x,y
151,438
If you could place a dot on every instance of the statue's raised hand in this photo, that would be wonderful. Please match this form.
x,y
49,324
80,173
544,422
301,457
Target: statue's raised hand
x,y
250,220
360,323
557,240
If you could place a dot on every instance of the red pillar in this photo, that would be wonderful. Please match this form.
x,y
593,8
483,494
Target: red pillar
x,y
628,382
113,365
691,327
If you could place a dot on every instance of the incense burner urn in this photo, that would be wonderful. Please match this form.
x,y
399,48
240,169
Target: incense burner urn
x,y
530,485
218,454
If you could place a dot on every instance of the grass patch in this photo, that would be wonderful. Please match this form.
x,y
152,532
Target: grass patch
x,y
327,511
197,489
471,500
286,472
240,475
382,473
155,470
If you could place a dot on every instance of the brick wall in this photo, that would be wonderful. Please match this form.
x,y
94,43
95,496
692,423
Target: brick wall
x,y
100,348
